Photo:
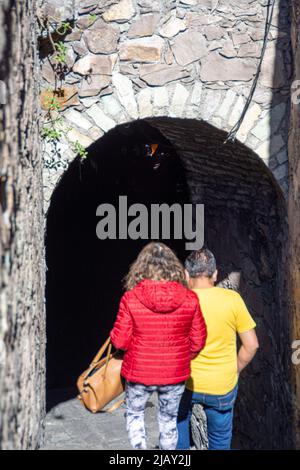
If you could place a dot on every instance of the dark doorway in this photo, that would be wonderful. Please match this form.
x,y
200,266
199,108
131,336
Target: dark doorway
x,y
84,274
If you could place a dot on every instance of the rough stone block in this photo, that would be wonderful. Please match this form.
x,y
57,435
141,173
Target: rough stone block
x,y
144,99
273,61
160,74
84,140
214,67
237,111
250,118
160,97
125,94
144,26
123,11
214,32
95,64
172,27
227,104
77,118
189,47
142,50
211,101
269,124
196,94
93,85
110,105
179,99
102,38
102,120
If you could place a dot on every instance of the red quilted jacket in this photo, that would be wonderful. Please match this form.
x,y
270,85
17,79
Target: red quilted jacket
x,y
161,328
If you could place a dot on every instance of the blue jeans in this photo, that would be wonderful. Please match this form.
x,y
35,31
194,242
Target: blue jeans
x,y
219,415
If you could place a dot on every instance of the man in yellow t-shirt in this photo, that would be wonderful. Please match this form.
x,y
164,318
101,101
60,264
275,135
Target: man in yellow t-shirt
x,y
214,372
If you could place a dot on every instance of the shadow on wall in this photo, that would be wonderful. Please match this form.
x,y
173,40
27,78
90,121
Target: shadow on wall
x,y
84,275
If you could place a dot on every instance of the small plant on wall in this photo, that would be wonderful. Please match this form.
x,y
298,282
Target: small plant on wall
x,y
57,98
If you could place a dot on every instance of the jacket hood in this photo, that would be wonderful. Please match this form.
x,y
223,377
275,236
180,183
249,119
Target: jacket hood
x,y
160,296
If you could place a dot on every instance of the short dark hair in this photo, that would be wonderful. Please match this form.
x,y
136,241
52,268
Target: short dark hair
x,y
201,263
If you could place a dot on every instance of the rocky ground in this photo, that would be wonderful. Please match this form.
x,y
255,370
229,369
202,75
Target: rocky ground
x,y
69,425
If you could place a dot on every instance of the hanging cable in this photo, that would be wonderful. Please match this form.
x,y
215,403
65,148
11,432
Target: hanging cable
x,y
232,134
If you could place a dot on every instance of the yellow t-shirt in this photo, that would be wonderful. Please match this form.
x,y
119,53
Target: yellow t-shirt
x,y
214,370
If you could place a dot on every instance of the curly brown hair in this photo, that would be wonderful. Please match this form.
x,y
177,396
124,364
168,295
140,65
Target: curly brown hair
x,y
158,262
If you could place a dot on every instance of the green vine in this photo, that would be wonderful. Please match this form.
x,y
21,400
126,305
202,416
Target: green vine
x,y
92,18
54,127
79,148
64,27
61,54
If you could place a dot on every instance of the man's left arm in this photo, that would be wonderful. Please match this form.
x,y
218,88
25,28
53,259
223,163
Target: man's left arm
x,y
245,326
248,348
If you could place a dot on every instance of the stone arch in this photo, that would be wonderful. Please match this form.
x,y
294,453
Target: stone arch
x,y
261,130
245,227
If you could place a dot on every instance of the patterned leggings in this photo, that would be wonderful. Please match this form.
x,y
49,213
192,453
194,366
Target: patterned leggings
x,y
169,397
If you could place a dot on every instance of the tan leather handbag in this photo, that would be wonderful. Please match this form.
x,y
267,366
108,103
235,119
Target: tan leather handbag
x,y
102,382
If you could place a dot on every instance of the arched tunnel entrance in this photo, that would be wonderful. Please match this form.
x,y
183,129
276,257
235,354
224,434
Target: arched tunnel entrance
x,y
244,227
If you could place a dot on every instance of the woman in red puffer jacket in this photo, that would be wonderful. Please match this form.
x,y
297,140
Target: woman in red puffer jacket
x,y
161,328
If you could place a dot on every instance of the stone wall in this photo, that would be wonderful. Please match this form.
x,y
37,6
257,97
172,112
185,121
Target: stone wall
x,y
151,59
294,209
187,67
133,59
21,236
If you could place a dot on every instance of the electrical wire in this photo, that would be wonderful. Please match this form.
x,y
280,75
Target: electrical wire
x,y
233,132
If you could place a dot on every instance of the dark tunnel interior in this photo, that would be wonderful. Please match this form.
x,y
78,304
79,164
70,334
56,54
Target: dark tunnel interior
x,y
84,274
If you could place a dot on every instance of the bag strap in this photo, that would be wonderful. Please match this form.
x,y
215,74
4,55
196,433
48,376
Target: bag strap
x,y
98,356
115,406
107,357
100,352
